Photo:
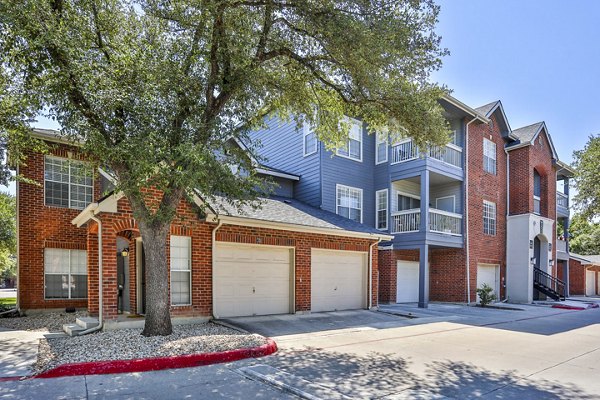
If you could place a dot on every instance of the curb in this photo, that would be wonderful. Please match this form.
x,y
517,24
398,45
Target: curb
x,y
158,363
567,307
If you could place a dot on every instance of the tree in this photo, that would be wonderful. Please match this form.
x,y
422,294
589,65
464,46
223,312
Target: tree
x,y
8,237
152,89
584,236
587,179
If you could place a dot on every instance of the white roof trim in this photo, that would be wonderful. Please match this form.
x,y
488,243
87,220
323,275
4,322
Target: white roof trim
x,y
532,141
459,104
265,171
109,204
493,109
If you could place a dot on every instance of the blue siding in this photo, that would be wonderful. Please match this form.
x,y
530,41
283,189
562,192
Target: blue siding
x,y
344,171
282,148
448,189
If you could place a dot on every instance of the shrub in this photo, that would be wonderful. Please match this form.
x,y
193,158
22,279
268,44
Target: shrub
x,y
486,294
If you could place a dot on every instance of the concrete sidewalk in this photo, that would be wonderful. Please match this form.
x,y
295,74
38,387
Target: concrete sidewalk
x,y
18,352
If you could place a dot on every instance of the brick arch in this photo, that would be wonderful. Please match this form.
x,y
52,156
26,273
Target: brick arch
x,y
125,225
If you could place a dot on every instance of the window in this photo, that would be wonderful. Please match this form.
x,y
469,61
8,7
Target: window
x,y
489,218
454,137
181,270
67,183
353,149
381,149
446,203
381,201
537,192
349,202
408,202
309,141
65,274
489,156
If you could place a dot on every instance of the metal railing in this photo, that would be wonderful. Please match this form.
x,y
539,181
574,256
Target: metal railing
x,y
406,150
445,222
562,200
406,221
547,284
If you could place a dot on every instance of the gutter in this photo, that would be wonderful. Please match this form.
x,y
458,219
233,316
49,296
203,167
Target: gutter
x,y
100,305
214,246
468,258
507,215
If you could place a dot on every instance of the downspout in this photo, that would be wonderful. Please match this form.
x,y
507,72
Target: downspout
x,y
214,245
100,305
507,214
370,299
468,258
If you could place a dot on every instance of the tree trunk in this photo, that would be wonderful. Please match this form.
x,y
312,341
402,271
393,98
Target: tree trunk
x,y
158,317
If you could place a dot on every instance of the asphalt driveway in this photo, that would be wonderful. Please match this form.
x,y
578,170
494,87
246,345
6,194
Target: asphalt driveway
x,y
448,351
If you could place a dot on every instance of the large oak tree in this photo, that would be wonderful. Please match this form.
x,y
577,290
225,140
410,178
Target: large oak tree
x,y
153,90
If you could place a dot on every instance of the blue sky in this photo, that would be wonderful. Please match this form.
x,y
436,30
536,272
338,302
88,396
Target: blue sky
x,y
540,57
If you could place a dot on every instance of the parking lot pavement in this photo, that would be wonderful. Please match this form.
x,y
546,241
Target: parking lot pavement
x,y
533,353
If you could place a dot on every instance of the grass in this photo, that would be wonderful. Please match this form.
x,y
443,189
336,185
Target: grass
x,y
7,303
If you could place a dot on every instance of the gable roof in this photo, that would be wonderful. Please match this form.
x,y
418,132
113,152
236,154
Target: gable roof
x,y
464,108
593,259
496,106
282,212
582,259
527,135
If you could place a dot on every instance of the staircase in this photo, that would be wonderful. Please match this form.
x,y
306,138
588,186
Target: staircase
x,y
80,325
549,285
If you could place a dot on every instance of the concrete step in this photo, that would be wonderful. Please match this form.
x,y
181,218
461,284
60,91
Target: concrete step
x,y
87,322
73,329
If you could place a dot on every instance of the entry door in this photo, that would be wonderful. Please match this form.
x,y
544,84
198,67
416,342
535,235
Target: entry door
x,y
490,275
407,286
251,280
590,277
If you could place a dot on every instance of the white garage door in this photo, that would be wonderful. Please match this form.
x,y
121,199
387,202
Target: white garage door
x,y
490,274
251,280
338,280
589,283
407,286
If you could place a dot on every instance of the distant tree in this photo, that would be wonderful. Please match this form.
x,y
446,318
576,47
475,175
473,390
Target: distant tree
x,y
153,89
8,238
584,236
587,178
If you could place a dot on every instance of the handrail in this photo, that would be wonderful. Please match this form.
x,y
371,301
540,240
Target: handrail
x,y
410,211
442,212
545,279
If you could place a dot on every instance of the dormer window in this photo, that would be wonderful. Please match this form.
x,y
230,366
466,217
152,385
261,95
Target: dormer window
x,y
353,148
67,183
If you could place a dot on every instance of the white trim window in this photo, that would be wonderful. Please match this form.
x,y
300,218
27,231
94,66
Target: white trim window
x,y
381,214
489,218
381,148
309,141
65,274
446,203
489,156
67,183
349,203
353,149
181,270
407,201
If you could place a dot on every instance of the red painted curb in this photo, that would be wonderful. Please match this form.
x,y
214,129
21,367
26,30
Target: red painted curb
x,y
566,307
11,378
158,363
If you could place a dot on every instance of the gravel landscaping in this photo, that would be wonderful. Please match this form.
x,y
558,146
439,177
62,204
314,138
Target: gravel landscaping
x,y
127,344
46,322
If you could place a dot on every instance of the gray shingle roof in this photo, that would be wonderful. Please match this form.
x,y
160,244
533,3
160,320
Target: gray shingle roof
x,y
583,259
487,108
594,259
526,133
291,211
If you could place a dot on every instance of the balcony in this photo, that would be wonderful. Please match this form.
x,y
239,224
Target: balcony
x,y
561,250
562,204
406,150
439,222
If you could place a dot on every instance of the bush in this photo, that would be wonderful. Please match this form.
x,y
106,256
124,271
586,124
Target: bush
x,y
486,294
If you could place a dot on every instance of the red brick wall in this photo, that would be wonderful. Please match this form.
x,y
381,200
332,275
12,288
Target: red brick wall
x,y
576,278
40,227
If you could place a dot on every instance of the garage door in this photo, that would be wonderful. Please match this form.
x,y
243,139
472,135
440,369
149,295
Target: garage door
x,y
589,283
407,286
489,274
251,280
338,280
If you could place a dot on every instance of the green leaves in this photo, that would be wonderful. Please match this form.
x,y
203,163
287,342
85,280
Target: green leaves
x,y
587,180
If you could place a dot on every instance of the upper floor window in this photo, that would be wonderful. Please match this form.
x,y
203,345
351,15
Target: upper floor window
x,y
489,218
353,148
181,270
309,141
381,215
65,274
408,202
349,202
381,148
537,192
67,183
489,156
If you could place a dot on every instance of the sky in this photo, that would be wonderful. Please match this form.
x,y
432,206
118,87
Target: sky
x,y
541,58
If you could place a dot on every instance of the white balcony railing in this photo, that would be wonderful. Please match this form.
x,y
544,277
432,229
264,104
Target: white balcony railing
x,y
445,222
406,221
406,150
561,245
562,200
